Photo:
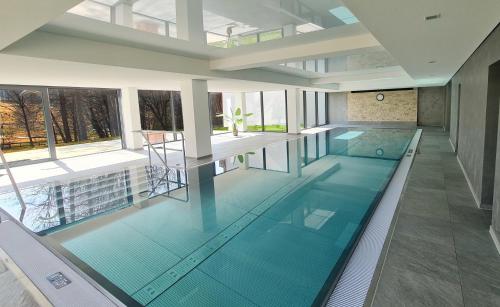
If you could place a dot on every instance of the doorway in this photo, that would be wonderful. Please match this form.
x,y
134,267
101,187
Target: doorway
x,y
490,135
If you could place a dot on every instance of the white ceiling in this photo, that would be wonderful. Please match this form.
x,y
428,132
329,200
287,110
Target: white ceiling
x,y
400,26
396,29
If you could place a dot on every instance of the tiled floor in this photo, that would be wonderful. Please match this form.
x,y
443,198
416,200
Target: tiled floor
x,y
441,253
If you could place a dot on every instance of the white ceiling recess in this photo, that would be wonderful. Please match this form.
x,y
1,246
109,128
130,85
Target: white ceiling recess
x,y
431,51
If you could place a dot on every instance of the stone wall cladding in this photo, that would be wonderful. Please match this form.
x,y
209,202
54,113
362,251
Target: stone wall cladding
x,y
397,106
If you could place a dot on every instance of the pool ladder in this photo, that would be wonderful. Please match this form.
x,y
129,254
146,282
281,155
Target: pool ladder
x,y
147,135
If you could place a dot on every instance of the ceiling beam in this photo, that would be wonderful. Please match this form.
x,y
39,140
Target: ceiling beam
x,y
19,18
325,43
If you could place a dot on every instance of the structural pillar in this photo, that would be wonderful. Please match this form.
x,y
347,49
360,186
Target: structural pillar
x,y
195,113
189,20
131,118
294,101
202,198
122,13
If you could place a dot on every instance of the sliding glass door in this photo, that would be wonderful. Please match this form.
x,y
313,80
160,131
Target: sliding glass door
x,y
274,104
315,108
85,121
254,106
23,132
41,123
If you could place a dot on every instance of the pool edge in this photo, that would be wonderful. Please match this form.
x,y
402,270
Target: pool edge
x,y
357,284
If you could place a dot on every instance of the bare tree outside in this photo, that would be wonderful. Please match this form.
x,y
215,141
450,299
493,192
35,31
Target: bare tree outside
x,y
160,110
84,115
22,124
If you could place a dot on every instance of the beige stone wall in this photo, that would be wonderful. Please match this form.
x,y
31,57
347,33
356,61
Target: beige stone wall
x,y
397,106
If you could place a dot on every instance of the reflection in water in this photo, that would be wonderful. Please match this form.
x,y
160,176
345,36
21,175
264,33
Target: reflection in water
x,y
267,227
52,205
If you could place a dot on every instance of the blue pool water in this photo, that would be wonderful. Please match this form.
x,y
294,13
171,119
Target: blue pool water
x,y
271,227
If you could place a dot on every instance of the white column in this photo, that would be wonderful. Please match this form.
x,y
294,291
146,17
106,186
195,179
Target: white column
x,y
195,113
131,118
294,101
122,13
189,20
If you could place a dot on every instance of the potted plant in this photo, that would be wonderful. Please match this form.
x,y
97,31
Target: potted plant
x,y
235,118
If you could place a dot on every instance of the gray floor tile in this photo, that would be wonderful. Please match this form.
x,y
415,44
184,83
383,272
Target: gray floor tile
x,y
424,257
425,194
477,298
470,216
406,288
425,228
441,253
432,208
436,182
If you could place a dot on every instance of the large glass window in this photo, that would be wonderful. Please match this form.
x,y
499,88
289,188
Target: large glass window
x,y
310,109
270,35
156,110
67,122
275,111
311,65
315,109
92,9
216,104
85,121
253,105
161,110
23,135
177,107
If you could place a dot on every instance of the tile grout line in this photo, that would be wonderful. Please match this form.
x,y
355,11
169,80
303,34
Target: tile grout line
x,y
453,237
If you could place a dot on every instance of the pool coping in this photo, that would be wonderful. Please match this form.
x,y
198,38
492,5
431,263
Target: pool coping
x,y
357,284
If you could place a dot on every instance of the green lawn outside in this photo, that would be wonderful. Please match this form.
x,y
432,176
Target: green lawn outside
x,y
267,128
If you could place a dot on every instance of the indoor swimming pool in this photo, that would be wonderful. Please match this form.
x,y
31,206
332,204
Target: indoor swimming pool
x,y
270,227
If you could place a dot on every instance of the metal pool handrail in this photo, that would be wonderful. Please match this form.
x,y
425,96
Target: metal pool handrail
x,y
145,134
13,181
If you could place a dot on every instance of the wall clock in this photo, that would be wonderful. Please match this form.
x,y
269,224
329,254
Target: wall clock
x,y
380,96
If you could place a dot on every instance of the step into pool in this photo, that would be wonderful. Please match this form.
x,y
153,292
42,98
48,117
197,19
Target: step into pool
x,y
270,227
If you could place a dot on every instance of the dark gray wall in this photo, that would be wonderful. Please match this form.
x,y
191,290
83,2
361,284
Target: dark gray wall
x,y
472,122
431,106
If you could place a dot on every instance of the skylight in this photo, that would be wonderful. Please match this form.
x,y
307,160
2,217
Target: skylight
x,y
344,14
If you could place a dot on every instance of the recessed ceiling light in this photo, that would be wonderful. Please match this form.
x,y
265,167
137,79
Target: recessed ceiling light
x,y
432,17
